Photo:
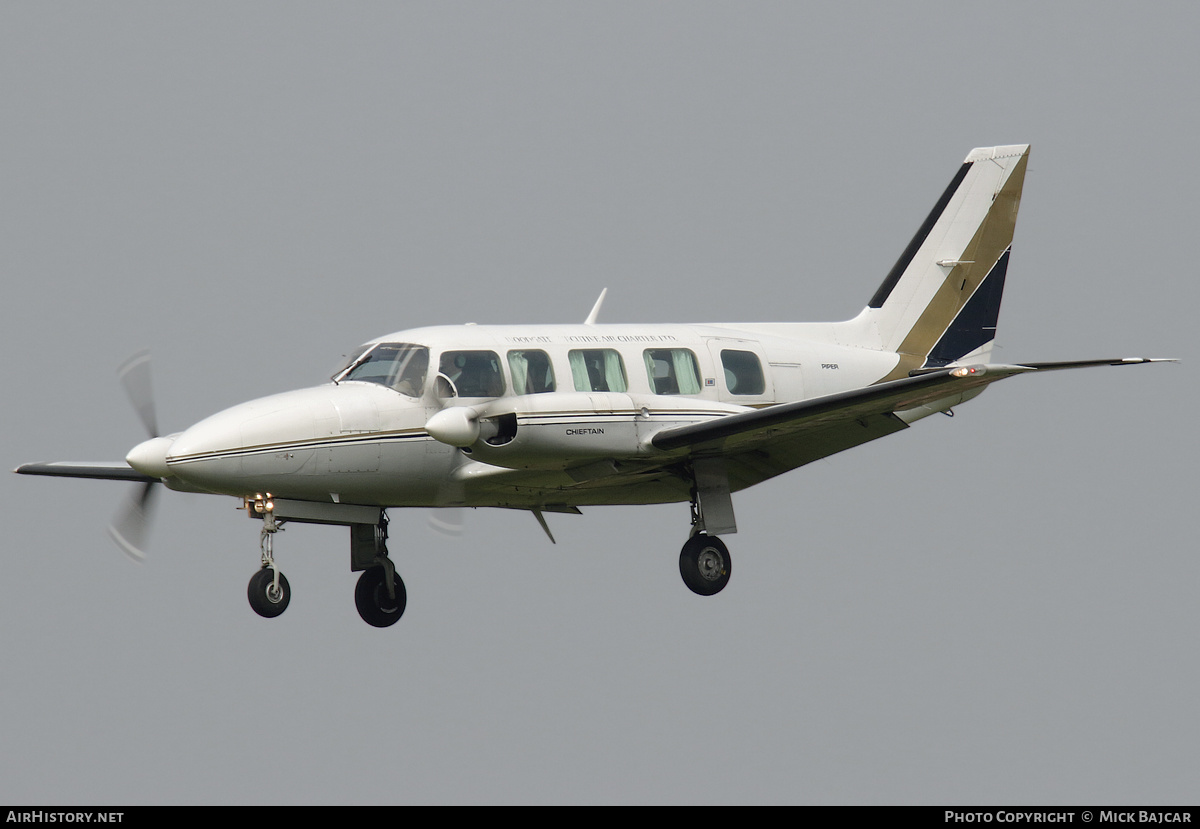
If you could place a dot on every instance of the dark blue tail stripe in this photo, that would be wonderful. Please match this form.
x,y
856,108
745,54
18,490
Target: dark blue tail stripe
x,y
975,324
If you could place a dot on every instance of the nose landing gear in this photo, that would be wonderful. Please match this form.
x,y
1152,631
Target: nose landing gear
x,y
268,592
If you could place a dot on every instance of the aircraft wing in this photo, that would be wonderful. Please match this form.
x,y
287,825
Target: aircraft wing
x,y
83,469
766,442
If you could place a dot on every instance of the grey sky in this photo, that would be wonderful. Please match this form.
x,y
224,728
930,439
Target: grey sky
x,y
996,608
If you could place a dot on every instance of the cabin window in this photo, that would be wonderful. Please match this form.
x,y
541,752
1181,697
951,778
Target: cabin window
x,y
399,366
672,371
597,369
743,372
531,372
472,373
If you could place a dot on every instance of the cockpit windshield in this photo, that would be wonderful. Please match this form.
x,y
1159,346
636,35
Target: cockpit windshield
x,y
399,366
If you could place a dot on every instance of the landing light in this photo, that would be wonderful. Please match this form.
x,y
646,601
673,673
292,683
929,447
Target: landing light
x,y
966,371
262,503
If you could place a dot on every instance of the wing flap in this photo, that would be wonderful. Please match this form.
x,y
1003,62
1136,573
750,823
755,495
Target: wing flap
x,y
750,430
753,466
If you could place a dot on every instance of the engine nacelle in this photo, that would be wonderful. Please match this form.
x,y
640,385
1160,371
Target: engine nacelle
x,y
457,426
564,429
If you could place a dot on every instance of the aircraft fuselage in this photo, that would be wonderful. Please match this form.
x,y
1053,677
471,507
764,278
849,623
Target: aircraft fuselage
x,y
602,393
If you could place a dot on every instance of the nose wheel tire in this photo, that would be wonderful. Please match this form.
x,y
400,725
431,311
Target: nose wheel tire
x,y
374,604
704,564
267,599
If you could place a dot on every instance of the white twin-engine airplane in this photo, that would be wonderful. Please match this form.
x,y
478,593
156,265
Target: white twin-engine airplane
x,y
551,418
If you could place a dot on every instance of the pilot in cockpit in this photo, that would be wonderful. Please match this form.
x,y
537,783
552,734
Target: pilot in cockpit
x,y
412,376
473,373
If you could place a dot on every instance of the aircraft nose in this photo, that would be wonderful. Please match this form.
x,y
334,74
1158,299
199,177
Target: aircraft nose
x,y
253,444
150,457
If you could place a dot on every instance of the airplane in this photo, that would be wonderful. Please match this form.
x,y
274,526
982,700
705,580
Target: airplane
x,y
554,418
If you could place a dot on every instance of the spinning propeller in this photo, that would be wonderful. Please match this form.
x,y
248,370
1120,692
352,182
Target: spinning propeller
x,y
455,426
449,519
130,526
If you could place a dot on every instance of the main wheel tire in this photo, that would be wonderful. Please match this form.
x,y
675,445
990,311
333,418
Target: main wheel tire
x,y
704,564
371,598
264,597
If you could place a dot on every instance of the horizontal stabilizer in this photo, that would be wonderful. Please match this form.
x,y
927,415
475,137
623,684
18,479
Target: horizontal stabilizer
x,y
1124,361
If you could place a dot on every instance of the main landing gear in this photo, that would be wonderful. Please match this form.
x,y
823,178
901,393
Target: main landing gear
x,y
704,561
379,595
704,564
377,605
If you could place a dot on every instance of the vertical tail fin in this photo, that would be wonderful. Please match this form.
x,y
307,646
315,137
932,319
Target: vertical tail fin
x,y
940,302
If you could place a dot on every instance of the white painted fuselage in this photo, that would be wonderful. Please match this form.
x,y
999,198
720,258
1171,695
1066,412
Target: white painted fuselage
x,y
365,442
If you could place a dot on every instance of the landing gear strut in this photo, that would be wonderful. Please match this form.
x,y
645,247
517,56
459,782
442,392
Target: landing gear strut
x,y
269,592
